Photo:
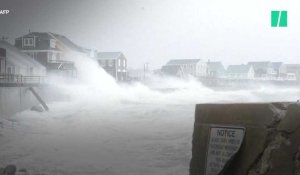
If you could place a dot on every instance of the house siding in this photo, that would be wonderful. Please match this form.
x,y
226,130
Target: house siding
x,y
49,50
194,67
240,72
42,58
201,69
116,67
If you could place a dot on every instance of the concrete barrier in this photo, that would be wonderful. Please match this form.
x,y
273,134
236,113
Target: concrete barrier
x,y
257,139
18,99
15,99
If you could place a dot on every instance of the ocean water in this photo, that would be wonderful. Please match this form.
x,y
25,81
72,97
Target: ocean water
x,y
109,128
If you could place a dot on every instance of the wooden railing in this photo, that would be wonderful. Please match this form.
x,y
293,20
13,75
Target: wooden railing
x,y
20,79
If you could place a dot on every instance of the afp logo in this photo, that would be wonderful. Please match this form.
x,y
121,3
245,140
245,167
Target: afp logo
x,y
4,12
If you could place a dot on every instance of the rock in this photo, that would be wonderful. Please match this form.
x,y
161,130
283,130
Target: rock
x,y
37,108
271,144
22,171
10,170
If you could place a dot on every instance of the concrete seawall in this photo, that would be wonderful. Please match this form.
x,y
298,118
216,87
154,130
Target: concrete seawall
x,y
16,99
267,135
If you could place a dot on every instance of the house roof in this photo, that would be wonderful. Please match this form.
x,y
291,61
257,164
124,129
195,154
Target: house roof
x,y
238,69
67,42
19,58
171,69
42,35
215,66
108,55
292,67
277,65
260,64
183,61
47,36
42,45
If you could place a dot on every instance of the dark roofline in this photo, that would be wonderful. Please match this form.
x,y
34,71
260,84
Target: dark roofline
x,y
61,38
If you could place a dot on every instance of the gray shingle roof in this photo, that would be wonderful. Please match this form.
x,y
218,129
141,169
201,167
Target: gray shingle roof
x,y
42,35
183,61
238,69
260,64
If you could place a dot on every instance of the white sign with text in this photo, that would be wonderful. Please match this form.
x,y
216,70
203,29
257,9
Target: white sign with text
x,y
224,142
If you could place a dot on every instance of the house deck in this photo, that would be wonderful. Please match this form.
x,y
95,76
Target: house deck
x,y
11,80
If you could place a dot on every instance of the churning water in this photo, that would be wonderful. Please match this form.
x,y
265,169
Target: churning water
x,y
112,129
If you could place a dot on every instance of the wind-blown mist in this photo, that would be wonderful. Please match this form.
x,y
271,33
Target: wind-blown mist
x,y
98,87
109,128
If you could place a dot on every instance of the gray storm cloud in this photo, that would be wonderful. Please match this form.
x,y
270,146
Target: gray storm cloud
x,y
155,31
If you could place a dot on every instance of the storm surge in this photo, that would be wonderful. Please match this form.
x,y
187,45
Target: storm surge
x,y
96,86
110,128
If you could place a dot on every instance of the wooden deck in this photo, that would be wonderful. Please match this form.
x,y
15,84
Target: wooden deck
x,y
12,80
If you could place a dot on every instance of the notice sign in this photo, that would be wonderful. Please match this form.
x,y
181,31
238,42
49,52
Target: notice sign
x,y
224,142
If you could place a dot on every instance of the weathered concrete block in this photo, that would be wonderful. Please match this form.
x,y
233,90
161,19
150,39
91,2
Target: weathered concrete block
x,y
37,108
271,144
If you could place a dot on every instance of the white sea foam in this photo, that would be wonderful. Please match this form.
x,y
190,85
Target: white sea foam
x,y
110,128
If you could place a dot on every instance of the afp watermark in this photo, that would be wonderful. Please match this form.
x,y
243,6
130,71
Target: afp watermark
x,y
4,12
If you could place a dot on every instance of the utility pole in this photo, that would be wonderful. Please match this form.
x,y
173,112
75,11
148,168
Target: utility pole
x,y
146,68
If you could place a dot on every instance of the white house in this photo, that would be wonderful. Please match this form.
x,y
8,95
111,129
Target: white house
x,y
173,70
240,72
263,69
215,70
280,69
185,67
114,63
293,70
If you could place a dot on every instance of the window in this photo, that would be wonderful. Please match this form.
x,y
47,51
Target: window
x,y
124,63
52,43
51,56
119,62
28,42
9,70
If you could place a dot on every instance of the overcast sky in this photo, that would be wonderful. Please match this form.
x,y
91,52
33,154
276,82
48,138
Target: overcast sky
x,y
155,31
